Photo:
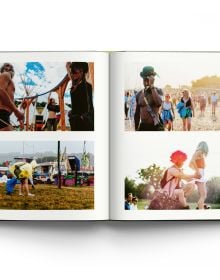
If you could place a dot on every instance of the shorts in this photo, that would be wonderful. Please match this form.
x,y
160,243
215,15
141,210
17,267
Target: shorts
x,y
150,127
202,179
22,180
4,118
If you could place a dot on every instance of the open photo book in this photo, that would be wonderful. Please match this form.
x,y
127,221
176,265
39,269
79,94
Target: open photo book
x,y
109,135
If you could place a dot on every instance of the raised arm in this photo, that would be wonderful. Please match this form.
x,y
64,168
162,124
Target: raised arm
x,y
48,99
68,64
157,96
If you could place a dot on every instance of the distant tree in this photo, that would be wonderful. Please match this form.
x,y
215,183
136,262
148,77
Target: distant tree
x,y
213,187
207,82
151,175
144,191
168,88
47,159
130,186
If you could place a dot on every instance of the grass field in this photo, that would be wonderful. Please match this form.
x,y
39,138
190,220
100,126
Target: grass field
x,y
143,202
49,197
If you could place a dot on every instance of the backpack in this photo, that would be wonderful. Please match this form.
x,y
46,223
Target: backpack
x,y
164,180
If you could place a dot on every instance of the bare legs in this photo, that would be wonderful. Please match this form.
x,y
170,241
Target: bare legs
x,y
24,187
188,189
213,108
168,125
203,194
186,124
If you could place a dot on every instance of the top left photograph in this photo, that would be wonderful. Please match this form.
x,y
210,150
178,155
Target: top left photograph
x,y
46,96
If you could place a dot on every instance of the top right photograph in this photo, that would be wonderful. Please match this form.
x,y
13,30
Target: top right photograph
x,y
173,91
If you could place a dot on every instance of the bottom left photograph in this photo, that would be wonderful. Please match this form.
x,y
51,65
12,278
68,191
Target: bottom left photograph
x,y
47,175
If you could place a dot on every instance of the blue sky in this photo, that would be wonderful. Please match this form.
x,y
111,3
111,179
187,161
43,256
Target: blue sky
x,y
39,76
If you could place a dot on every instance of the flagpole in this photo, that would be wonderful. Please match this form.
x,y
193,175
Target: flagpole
x,y
58,165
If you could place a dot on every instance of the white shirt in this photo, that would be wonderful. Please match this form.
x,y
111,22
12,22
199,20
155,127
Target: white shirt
x,y
133,207
214,98
4,179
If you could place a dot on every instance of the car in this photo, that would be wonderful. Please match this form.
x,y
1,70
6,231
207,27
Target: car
x,y
42,178
85,178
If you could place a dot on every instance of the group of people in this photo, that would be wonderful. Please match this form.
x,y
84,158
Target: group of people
x,y
172,186
10,180
81,115
154,111
131,202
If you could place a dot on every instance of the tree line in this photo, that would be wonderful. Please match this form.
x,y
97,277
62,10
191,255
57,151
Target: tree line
x,y
151,177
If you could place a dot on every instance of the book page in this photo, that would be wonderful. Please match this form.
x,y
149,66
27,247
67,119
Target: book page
x,y
165,123
54,136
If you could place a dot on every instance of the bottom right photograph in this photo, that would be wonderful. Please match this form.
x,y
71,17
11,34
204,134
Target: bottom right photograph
x,y
179,173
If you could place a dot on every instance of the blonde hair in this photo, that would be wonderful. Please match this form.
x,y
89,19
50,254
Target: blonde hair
x,y
186,90
203,147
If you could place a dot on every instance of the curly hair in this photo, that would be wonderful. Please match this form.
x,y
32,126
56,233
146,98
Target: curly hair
x,y
178,156
4,65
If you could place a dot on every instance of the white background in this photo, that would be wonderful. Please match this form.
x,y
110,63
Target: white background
x,y
116,250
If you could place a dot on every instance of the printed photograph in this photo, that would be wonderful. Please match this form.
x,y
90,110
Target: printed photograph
x,y
173,92
47,175
177,173
46,96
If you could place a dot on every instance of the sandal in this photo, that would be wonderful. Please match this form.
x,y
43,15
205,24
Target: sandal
x,y
206,207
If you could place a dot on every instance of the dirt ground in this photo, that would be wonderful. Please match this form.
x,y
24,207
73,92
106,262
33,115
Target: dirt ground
x,y
199,123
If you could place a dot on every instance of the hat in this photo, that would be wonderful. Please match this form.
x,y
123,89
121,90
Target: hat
x,y
147,71
80,65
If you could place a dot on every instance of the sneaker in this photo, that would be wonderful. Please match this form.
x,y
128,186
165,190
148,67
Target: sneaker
x,y
31,194
21,194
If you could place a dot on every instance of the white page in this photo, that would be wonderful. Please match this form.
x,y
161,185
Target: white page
x,y
131,150
99,137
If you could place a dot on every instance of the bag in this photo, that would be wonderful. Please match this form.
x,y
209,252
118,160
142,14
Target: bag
x,y
164,180
162,201
157,121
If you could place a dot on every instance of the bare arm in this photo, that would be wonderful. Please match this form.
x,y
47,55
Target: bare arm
x,y
68,70
192,107
160,109
137,114
156,96
172,109
48,100
5,97
179,174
